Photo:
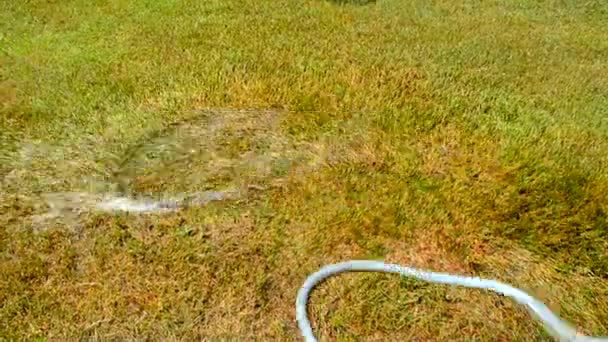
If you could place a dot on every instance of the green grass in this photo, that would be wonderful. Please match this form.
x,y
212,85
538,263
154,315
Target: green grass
x,y
464,137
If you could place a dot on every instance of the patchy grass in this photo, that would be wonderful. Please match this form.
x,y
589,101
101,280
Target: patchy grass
x,y
467,138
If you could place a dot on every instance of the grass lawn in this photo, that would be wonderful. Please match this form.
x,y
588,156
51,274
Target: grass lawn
x,y
458,136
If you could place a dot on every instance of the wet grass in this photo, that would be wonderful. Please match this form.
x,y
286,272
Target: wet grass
x,y
467,138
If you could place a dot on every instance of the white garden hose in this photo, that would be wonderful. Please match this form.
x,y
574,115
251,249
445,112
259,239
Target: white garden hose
x,y
554,325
